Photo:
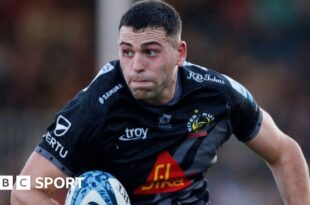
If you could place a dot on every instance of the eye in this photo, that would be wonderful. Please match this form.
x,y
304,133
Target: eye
x,y
128,53
151,53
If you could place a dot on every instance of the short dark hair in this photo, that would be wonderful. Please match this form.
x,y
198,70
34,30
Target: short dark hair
x,y
153,14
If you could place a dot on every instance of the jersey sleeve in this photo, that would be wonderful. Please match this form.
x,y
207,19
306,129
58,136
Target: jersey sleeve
x,y
68,138
245,114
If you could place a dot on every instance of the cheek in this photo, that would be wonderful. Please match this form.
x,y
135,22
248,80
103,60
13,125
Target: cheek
x,y
166,72
171,58
171,62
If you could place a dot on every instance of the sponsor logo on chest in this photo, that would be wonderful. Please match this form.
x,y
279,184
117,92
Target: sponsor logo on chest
x,y
166,176
134,134
197,122
164,121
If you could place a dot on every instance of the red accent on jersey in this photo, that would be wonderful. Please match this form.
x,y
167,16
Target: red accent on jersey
x,y
198,134
166,176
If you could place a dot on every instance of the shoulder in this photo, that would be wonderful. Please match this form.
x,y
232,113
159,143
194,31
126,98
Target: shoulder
x,y
196,76
108,81
107,74
200,74
204,79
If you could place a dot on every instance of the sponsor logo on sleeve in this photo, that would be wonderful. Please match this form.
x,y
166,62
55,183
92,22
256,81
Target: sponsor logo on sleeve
x,y
62,126
55,145
109,93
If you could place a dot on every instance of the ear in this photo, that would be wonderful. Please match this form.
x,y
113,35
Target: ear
x,y
182,53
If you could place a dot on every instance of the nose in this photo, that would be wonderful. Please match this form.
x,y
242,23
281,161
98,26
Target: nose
x,y
138,63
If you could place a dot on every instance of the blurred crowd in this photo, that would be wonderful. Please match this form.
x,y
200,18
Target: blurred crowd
x,y
46,51
47,54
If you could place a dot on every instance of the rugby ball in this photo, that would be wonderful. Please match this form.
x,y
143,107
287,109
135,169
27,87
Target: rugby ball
x,y
97,188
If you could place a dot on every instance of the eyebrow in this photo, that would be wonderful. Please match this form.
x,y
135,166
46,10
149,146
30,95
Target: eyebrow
x,y
125,43
143,45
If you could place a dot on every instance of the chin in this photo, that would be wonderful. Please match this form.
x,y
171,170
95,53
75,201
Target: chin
x,y
142,94
139,94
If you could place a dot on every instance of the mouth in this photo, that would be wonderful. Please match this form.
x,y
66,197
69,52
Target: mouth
x,y
140,84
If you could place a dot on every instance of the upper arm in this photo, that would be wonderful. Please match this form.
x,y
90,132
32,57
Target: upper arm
x,y
270,142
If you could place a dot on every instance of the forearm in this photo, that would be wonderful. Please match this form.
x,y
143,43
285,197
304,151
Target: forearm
x,y
31,197
292,175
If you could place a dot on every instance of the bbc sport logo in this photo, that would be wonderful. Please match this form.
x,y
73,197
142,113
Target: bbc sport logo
x,y
24,182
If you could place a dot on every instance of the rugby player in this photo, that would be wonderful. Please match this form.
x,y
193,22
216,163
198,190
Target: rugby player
x,y
155,122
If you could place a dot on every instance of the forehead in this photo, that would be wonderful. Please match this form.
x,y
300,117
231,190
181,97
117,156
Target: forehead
x,y
128,35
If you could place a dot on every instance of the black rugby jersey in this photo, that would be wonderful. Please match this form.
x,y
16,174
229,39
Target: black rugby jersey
x,y
159,153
